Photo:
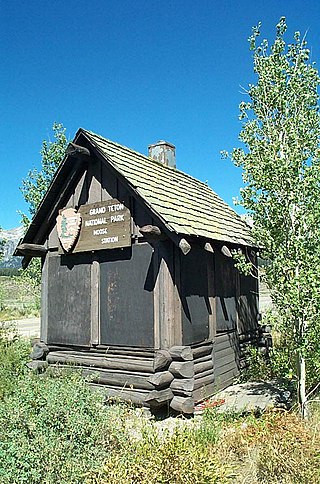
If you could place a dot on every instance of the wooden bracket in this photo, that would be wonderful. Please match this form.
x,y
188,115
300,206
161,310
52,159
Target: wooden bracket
x,y
76,150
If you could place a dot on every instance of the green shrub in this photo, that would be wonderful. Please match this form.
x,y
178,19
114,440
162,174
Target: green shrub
x,y
176,458
54,430
14,353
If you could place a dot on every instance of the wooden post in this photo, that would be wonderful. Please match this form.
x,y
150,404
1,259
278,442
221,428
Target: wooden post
x,y
44,300
95,302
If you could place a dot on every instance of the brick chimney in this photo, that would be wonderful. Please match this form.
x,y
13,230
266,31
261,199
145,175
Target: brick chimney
x,y
163,152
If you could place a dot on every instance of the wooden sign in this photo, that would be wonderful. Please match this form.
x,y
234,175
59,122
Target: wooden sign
x,y
104,225
68,227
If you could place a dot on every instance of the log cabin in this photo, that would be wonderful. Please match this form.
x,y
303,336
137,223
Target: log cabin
x,y
139,287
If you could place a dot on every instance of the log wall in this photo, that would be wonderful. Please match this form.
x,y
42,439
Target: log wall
x,y
176,378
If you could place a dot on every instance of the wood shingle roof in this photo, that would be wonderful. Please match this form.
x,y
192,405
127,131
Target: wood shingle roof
x,y
185,204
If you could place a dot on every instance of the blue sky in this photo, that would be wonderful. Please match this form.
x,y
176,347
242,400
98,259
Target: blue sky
x,y
135,72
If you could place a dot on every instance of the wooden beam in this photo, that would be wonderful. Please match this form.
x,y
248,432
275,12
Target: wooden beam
x,y
182,384
152,232
183,353
124,380
162,360
225,251
184,246
117,393
182,405
116,363
208,247
157,398
202,351
33,250
182,369
161,379
76,150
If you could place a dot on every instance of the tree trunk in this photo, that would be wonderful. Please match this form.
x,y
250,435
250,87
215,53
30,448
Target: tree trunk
x,y
302,385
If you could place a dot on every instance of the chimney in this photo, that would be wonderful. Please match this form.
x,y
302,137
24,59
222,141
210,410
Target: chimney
x,y
163,152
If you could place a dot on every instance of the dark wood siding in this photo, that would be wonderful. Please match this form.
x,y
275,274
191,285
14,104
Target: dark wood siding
x,y
226,359
225,292
69,299
194,295
248,304
126,297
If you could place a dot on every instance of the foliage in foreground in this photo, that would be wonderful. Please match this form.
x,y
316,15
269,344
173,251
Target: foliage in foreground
x,y
281,172
35,186
55,429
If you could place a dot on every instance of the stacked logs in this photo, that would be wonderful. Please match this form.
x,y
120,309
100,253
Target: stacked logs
x,y
123,374
182,385
174,378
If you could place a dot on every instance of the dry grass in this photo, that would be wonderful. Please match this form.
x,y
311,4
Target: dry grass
x,y
278,448
17,299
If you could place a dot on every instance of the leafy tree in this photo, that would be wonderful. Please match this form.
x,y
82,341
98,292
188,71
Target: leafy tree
x,y
35,185
281,172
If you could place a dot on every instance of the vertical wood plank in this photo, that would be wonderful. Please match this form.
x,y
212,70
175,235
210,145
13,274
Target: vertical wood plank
x,y
53,241
80,193
108,184
94,172
212,299
156,300
44,301
177,299
95,301
166,296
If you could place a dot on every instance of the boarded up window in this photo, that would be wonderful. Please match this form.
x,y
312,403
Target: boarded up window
x,y
194,296
126,297
225,292
69,299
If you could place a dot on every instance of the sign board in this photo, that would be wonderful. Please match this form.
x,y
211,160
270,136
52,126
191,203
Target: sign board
x,y
104,225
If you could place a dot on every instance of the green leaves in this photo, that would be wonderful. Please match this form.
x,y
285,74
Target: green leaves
x,y
280,162
35,185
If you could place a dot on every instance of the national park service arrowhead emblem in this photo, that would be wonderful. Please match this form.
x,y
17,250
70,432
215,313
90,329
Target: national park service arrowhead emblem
x,y
68,227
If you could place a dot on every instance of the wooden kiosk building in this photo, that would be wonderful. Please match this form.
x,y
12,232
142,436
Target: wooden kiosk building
x,y
139,288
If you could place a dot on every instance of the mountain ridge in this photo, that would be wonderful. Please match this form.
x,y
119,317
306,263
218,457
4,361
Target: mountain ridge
x,y
11,239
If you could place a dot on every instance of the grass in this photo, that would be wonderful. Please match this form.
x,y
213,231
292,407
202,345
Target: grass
x,y
17,299
55,429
